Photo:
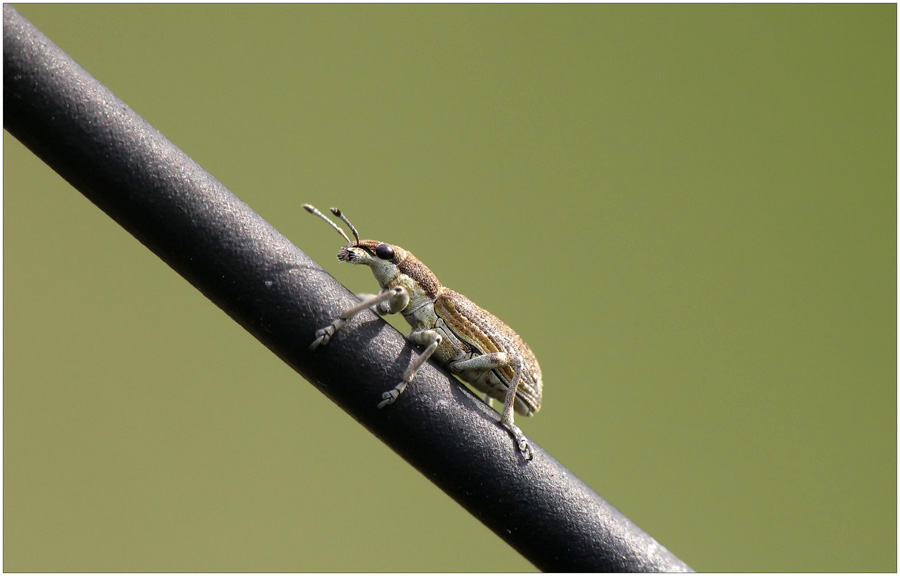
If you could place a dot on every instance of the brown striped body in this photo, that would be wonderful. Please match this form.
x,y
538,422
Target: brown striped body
x,y
468,322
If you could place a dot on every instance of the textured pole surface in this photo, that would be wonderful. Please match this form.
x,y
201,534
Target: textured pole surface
x,y
240,262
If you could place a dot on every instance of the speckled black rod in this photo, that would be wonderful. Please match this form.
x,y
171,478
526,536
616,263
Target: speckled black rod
x,y
240,262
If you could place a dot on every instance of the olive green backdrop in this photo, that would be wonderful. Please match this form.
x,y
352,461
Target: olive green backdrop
x,y
689,212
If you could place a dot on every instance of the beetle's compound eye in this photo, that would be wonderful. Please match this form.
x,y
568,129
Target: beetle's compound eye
x,y
384,251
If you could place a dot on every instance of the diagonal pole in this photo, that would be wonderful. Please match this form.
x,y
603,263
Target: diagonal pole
x,y
276,292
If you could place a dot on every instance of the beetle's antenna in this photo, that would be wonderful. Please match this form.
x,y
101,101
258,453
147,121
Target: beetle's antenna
x,y
313,210
340,215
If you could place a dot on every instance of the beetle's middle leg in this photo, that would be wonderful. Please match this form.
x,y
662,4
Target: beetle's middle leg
x,y
491,362
428,338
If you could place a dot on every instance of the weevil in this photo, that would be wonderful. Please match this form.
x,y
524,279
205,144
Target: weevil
x,y
468,340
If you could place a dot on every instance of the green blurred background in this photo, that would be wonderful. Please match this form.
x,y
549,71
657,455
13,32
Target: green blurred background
x,y
689,212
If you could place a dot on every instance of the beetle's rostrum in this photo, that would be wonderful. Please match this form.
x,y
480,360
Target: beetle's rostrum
x,y
468,340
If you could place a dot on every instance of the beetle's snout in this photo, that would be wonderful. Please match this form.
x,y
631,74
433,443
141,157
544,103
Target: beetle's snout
x,y
351,254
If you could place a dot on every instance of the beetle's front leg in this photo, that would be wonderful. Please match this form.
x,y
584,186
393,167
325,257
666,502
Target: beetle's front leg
x,y
492,362
388,301
430,340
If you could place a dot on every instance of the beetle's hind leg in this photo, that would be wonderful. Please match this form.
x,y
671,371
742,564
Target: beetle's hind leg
x,y
491,362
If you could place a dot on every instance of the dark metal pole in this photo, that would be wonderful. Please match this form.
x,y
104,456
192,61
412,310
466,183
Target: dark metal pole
x,y
246,267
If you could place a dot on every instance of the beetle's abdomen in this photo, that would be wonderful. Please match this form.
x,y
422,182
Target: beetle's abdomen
x,y
487,334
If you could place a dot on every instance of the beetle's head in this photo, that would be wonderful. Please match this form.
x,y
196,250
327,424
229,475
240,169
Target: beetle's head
x,y
384,259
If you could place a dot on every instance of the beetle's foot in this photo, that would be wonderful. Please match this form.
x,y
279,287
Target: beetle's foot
x,y
521,441
323,335
391,395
